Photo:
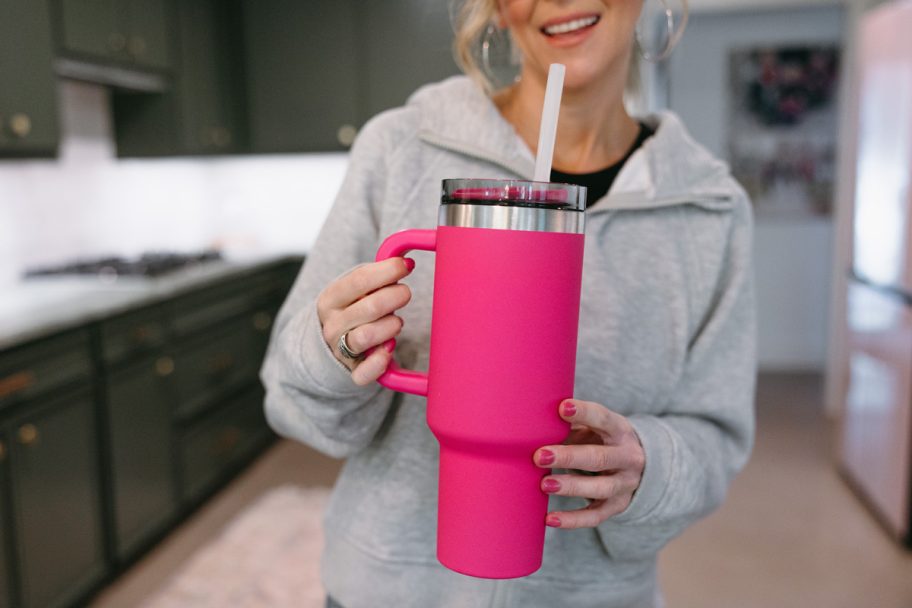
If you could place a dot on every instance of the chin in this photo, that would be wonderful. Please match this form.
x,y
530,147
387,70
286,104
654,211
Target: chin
x,y
584,76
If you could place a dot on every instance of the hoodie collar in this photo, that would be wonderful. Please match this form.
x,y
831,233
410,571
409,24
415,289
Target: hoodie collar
x,y
669,168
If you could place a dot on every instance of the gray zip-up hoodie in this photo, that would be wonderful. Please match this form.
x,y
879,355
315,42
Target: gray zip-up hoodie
x,y
666,338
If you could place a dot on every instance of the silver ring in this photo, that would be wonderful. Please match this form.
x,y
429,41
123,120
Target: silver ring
x,y
344,349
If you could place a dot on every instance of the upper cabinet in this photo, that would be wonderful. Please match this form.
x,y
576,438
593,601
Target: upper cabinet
x,y
318,70
204,110
28,96
89,28
132,33
303,83
207,77
405,44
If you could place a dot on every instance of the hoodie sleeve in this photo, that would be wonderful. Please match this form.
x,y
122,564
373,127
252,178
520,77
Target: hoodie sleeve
x,y
310,395
704,438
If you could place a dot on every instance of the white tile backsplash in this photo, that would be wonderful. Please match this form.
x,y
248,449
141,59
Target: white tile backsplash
x,y
87,202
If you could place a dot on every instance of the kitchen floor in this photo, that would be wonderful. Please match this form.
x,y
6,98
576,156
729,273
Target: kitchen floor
x,y
790,533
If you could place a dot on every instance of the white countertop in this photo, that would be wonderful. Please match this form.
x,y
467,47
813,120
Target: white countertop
x,y
36,307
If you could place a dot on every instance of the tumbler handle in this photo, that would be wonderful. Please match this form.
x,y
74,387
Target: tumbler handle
x,y
397,378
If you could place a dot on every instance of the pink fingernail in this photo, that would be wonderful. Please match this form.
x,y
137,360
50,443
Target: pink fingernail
x,y
409,264
551,486
546,457
569,409
553,521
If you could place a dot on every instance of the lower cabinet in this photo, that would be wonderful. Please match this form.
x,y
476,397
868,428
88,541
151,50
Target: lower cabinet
x,y
56,501
111,434
214,445
139,416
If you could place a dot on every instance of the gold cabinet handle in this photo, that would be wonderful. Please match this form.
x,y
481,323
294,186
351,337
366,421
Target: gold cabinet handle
x,y
228,440
28,434
16,383
221,137
262,321
164,366
141,334
2,451
137,46
117,42
20,125
346,135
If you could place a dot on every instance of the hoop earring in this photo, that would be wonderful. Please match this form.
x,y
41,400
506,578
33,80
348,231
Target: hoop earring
x,y
487,43
674,35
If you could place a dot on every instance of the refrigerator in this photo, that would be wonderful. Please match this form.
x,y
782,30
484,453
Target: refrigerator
x,y
876,439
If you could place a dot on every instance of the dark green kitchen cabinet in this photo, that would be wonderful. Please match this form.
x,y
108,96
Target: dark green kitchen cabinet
x,y
133,33
302,74
28,94
404,44
318,70
148,25
114,431
215,444
204,111
90,29
139,418
56,500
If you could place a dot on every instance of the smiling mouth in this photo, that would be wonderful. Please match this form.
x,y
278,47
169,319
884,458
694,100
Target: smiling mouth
x,y
568,27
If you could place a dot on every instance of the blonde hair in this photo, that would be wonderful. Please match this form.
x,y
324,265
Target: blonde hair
x,y
470,22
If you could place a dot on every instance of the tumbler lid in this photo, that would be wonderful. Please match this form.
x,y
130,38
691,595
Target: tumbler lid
x,y
514,193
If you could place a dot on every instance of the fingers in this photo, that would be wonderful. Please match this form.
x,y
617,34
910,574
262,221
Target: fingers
x,y
364,337
593,458
589,517
378,304
371,367
361,281
598,487
612,426
369,321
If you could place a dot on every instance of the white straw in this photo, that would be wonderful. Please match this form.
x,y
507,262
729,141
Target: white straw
x,y
548,130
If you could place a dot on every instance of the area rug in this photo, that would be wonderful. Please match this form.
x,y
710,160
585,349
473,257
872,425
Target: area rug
x,y
268,557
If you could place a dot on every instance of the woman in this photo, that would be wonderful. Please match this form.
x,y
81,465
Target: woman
x,y
665,372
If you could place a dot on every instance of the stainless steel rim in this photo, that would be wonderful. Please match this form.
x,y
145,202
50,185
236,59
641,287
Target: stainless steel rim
x,y
503,217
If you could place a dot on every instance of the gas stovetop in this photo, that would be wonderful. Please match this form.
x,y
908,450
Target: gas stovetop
x,y
110,268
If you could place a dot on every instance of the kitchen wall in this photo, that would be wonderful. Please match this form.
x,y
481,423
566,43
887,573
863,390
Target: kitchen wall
x,y
88,203
792,256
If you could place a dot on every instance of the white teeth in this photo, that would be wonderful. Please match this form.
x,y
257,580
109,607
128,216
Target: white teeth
x,y
570,26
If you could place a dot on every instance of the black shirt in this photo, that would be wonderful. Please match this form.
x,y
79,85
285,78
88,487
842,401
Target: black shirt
x,y
599,182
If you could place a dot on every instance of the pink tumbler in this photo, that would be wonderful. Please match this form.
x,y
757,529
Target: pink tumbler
x,y
509,259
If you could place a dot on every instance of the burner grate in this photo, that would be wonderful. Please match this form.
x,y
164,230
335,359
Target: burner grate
x,y
147,265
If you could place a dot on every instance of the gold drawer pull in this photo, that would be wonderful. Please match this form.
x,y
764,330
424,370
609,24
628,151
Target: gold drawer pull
x,y
137,46
164,366
20,125
221,363
28,434
227,441
117,42
141,334
2,451
16,383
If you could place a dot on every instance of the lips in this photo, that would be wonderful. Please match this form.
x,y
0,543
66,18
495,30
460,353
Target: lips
x,y
570,25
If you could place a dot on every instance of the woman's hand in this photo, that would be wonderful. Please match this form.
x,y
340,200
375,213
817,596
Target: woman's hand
x,y
361,303
601,442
